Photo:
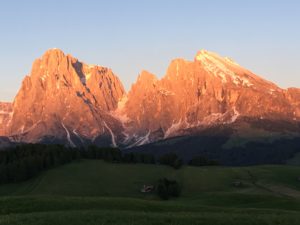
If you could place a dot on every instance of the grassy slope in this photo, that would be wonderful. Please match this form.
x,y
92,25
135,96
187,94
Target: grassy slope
x,y
94,192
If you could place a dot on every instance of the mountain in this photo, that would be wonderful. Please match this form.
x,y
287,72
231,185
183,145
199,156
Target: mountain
x,y
209,104
66,101
209,91
5,117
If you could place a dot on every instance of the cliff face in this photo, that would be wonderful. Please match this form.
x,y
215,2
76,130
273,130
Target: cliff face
x,y
208,91
5,117
293,96
65,99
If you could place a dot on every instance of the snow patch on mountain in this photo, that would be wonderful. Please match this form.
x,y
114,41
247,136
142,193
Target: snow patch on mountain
x,y
119,112
211,119
75,132
22,131
88,76
235,116
229,60
145,139
68,136
10,118
113,140
173,128
141,140
217,65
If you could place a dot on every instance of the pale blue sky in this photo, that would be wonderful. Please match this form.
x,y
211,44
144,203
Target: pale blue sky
x,y
129,36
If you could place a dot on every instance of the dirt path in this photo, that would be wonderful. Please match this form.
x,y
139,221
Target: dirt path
x,y
276,189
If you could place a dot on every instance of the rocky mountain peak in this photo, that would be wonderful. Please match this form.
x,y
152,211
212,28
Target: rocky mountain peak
x,y
208,91
145,81
65,99
54,52
205,56
146,77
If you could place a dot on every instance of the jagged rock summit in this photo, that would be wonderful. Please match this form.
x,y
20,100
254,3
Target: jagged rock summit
x,y
64,100
67,101
208,91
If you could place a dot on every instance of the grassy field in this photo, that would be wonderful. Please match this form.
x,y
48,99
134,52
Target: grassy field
x,y
95,192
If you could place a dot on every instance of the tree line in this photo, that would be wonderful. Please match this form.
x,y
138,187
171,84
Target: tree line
x,y
171,159
26,161
23,162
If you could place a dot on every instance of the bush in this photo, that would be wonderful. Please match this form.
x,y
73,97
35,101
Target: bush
x,y
168,188
162,190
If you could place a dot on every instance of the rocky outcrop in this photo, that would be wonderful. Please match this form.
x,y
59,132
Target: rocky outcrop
x,y
208,91
64,99
293,95
5,117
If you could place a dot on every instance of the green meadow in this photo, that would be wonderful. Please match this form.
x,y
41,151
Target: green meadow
x,y
95,192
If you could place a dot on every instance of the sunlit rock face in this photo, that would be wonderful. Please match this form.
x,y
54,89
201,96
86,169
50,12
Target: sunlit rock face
x,y
293,95
65,99
208,91
5,117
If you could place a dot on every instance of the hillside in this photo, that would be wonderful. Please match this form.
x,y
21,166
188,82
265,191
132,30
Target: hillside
x,y
97,178
94,192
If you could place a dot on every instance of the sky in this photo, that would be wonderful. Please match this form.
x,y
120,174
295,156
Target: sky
x,y
134,35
